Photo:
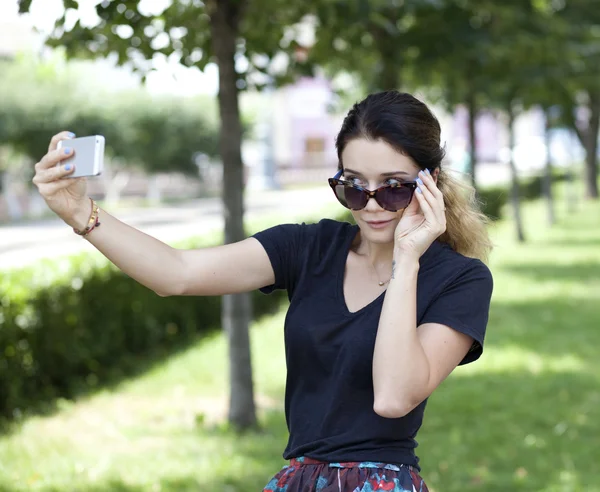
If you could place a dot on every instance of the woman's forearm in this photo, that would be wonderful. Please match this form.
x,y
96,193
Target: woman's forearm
x,y
400,366
147,260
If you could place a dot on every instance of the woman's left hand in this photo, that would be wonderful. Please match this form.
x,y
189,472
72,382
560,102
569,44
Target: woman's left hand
x,y
423,221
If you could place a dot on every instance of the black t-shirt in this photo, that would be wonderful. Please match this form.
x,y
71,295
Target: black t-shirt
x,y
329,350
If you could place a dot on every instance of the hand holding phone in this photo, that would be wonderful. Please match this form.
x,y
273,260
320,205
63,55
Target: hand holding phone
x,y
87,155
68,198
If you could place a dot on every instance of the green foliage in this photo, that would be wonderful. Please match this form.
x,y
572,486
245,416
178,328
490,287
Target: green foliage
x,y
136,32
533,188
163,134
159,134
493,200
362,38
69,326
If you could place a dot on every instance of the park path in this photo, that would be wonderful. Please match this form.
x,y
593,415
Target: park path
x,y
25,243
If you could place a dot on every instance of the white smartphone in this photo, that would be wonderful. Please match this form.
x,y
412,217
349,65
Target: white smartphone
x,y
88,155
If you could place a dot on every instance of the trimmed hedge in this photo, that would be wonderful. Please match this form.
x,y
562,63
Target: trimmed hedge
x,y
493,199
70,325
533,188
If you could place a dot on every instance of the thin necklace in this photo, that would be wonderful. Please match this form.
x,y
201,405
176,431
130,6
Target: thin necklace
x,y
381,282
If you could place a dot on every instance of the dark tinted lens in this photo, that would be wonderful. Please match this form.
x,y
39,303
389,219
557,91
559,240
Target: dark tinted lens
x,y
394,198
350,197
340,195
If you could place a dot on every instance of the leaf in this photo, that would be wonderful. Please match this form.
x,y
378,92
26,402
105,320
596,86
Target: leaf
x,y
24,6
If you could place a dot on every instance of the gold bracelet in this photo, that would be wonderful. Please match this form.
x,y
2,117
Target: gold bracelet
x,y
93,221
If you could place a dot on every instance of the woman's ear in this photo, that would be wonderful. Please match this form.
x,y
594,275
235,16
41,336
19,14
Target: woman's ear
x,y
435,174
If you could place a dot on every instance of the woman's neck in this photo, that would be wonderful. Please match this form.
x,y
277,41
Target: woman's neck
x,y
378,254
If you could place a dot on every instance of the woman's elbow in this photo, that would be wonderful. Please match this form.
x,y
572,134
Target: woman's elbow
x,y
170,291
392,409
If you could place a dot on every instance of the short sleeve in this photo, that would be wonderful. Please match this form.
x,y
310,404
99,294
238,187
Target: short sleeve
x,y
464,306
284,245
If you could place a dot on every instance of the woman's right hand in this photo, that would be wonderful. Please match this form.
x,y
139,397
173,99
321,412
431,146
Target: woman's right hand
x,y
67,198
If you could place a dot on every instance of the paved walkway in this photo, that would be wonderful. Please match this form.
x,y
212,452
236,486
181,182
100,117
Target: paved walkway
x,y
23,244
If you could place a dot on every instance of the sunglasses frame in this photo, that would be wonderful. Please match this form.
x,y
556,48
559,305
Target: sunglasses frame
x,y
335,181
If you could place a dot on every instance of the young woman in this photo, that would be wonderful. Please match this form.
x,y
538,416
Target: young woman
x,y
380,312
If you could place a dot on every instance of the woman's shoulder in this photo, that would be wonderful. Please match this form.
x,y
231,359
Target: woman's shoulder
x,y
332,226
324,228
453,265
330,233
325,232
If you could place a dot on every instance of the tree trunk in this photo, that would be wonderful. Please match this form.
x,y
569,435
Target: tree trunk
x,y
514,196
236,312
571,194
547,184
115,180
591,147
15,210
387,77
472,109
154,191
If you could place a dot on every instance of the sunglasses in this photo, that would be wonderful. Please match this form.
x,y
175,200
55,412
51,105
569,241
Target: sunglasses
x,y
391,197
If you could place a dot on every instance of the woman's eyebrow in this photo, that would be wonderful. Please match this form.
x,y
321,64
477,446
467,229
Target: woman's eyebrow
x,y
395,174
383,175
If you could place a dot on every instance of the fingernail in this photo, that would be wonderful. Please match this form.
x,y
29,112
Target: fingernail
x,y
68,167
427,171
67,150
71,134
419,182
419,190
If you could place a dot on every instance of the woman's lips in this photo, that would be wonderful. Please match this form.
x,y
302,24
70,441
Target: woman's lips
x,y
378,224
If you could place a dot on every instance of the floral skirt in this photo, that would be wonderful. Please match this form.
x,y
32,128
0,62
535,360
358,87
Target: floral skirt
x,y
309,475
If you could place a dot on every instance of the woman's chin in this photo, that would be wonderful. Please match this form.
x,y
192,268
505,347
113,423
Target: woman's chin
x,y
378,236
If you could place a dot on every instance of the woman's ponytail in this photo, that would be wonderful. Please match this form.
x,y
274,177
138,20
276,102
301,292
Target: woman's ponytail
x,y
466,226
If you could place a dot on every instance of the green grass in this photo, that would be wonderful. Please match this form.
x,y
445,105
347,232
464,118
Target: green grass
x,y
526,417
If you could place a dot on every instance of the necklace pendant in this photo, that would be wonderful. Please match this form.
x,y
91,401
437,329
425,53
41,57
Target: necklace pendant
x,y
381,284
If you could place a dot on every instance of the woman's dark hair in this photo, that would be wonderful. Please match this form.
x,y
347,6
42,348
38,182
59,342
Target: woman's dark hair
x,y
400,120
407,125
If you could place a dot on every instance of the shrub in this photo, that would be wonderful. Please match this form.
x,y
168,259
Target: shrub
x,y
533,188
75,323
493,201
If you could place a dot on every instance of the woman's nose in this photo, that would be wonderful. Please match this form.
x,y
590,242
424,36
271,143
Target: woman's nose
x,y
373,206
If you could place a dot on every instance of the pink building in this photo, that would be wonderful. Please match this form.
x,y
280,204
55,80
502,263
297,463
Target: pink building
x,y
304,131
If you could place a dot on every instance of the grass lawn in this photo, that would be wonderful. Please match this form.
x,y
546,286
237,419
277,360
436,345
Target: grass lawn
x,y
526,417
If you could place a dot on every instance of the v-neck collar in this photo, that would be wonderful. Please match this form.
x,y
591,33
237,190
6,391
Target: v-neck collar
x,y
353,230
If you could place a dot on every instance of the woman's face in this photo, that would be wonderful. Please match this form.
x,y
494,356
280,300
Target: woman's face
x,y
371,164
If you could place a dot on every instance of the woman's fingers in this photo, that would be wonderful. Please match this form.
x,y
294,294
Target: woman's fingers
x,y
53,187
432,199
57,138
53,173
431,185
425,205
51,159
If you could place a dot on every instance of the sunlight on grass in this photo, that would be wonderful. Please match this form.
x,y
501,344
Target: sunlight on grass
x,y
524,418
169,416
516,359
